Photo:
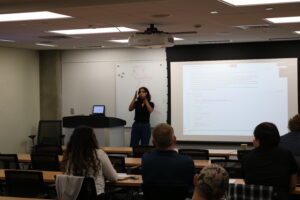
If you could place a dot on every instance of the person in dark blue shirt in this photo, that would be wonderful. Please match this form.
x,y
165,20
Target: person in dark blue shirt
x,y
143,106
164,165
291,140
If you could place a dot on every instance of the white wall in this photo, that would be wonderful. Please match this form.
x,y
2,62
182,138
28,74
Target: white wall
x,y
89,77
19,101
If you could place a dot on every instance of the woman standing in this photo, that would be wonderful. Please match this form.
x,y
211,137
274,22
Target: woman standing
x,y
143,106
83,158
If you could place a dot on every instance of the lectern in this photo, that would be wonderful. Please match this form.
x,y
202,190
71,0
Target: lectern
x,y
109,131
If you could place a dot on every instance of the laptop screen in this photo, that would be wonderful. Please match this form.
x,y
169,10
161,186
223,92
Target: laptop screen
x,y
99,109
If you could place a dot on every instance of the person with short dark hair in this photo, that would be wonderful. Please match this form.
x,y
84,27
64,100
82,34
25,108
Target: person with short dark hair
x,y
291,140
143,107
268,164
165,165
211,183
83,158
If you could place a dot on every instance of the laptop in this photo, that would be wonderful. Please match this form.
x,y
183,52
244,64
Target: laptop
x,y
98,110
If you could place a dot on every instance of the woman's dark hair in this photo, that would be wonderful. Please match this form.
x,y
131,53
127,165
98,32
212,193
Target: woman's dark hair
x,y
294,123
148,93
267,134
80,157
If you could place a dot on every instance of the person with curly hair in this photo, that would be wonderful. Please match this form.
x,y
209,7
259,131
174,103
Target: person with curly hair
x,y
83,158
211,183
291,140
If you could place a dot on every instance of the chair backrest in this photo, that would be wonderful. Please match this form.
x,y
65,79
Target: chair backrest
x,y
48,149
138,151
297,158
50,132
9,161
75,187
25,183
233,167
164,192
119,163
88,190
45,162
196,154
242,153
249,192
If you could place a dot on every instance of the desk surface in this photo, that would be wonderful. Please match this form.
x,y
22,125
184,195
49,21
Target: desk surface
x,y
128,150
129,162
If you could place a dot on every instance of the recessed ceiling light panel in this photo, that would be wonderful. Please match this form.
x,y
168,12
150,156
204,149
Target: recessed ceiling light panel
x,y
45,45
256,2
281,20
4,40
42,15
93,30
120,41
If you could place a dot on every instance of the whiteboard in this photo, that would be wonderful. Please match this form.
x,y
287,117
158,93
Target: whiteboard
x,y
135,74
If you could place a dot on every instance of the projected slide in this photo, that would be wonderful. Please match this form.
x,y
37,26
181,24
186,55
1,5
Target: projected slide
x,y
225,100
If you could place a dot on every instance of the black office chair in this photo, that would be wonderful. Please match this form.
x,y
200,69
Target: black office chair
x,y
119,163
48,149
242,153
88,190
45,162
138,151
25,184
164,192
50,132
9,161
196,154
233,167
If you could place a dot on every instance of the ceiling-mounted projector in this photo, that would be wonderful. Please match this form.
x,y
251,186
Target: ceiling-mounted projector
x,y
151,38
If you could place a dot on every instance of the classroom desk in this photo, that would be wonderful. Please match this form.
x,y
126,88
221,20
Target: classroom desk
x,y
49,178
128,150
129,162
47,175
20,198
137,183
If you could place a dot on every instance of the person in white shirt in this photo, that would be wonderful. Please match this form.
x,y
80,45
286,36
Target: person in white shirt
x,y
83,158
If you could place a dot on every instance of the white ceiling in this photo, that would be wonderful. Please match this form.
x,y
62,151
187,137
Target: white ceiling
x,y
184,15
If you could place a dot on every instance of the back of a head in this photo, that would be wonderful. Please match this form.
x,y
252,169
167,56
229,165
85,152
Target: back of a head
x,y
81,153
212,183
163,135
267,134
294,123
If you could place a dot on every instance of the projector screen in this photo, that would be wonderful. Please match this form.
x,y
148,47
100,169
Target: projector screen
x,y
225,100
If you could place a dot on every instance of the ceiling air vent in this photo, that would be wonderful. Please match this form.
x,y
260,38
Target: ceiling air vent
x,y
214,42
282,39
257,26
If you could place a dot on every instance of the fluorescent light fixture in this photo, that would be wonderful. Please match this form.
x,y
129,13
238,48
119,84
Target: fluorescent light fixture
x,y
120,41
297,32
281,20
177,39
31,16
94,30
3,40
45,45
256,2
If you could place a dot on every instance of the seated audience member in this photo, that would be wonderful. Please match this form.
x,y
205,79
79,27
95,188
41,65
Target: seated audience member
x,y
83,158
165,165
268,164
291,140
211,183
